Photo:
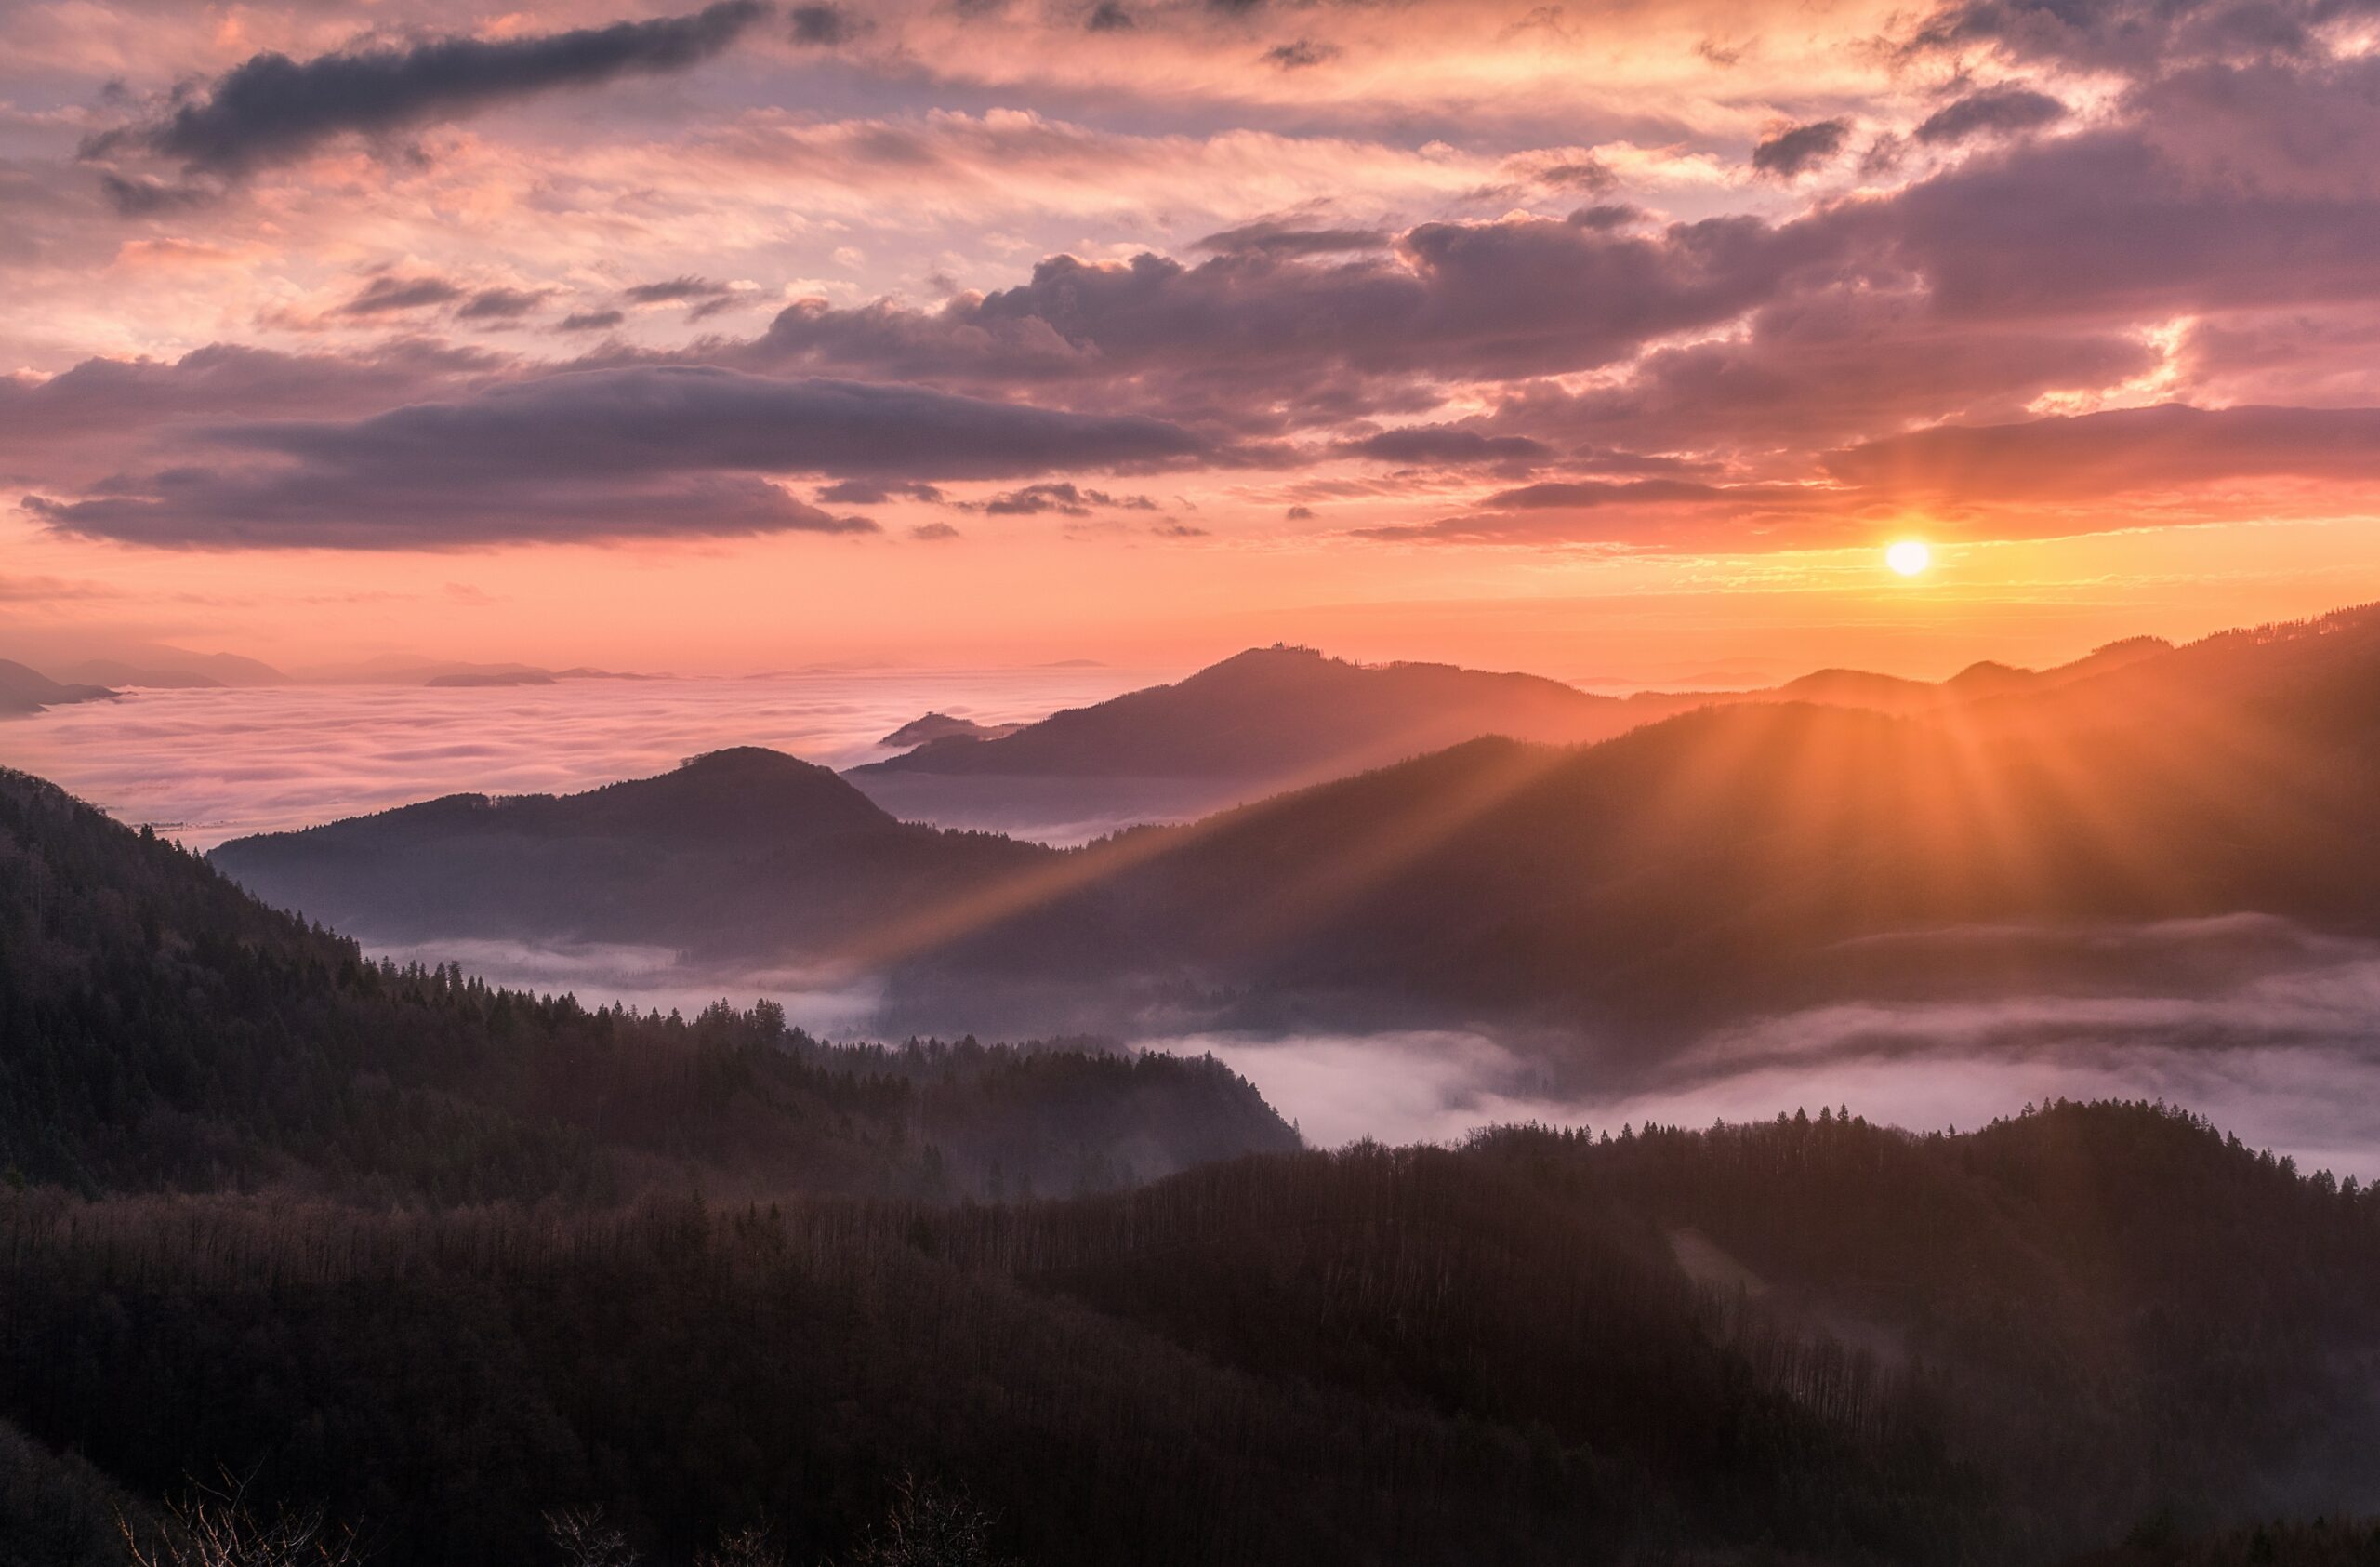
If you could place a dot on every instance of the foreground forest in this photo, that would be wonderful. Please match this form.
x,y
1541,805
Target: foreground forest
x,y
457,1269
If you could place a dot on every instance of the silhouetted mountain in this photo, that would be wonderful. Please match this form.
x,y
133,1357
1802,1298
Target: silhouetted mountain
x,y
1279,715
1804,1341
1732,857
935,726
1980,682
742,851
25,690
164,1028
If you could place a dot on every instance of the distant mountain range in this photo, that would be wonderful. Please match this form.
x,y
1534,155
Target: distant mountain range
x,y
1274,719
24,690
1727,858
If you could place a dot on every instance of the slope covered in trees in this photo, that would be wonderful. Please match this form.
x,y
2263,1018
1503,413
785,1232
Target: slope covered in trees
x,y
2001,1346
163,1029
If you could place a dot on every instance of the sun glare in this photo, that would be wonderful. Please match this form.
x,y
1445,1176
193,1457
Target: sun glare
x,y
1908,557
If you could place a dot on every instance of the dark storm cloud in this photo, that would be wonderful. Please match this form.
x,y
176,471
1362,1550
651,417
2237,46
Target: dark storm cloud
x,y
273,109
2089,455
2000,111
1792,153
594,454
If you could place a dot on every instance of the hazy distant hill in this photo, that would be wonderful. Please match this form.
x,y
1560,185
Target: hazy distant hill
x,y
24,690
172,669
743,851
1727,859
1278,714
930,728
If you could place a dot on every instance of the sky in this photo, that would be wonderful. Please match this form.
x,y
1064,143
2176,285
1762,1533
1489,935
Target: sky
x,y
1615,340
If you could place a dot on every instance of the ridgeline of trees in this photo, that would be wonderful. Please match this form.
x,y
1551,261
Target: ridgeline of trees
x,y
1999,1346
164,1030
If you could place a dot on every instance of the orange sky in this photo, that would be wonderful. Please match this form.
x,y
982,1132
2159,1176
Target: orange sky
x,y
1610,340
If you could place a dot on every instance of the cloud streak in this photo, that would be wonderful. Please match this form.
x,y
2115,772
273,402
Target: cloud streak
x,y
596,454
274,110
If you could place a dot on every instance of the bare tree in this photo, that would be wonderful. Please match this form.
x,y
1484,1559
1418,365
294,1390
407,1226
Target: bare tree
x,y
586,1540
750,1547
216,1526
930,1527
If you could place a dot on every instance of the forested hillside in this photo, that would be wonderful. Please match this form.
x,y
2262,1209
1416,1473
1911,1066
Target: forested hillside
x,y
164,1030
1811,1340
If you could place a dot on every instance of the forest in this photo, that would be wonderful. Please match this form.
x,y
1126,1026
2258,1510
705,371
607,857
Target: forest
x,y
430,1272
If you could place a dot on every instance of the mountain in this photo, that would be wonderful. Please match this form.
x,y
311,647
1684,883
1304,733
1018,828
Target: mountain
x,y
1976,682
24,690
1275,715
168,668
935,726
166,1031
1805,1340
1739,857
743,851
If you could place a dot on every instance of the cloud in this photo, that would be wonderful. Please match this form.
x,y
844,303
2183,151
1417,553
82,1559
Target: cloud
x,y
590,321
2001,111
1108,16
824,26
875,492
1063,499
388,294
140,196
933,533
2087,457
672,291
2128,35
1790,154
274,110
500,304
1447,446
85,420
593,454
1301,54
1275,236
1519,295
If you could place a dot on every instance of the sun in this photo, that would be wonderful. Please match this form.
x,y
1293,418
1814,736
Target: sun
x,y
1908,557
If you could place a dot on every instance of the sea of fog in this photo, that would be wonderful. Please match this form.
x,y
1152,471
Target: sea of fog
x,y
203,767
2273,1033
